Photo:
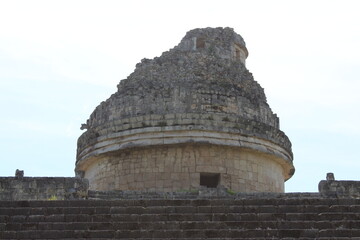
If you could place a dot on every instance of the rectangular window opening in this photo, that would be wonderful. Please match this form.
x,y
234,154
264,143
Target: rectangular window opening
x,y
210,180
200,43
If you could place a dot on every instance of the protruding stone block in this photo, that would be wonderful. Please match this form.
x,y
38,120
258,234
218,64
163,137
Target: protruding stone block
x,y
333,188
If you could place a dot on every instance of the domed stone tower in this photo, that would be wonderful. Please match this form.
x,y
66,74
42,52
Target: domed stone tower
x,y
192,117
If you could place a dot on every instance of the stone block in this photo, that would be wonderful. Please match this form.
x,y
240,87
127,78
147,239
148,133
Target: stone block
x,y
332,188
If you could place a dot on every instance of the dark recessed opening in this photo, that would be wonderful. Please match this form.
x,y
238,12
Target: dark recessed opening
x,y
237,54
200,43
210,180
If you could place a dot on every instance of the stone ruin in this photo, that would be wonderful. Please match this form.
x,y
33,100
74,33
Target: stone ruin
x,y
192,117
187,148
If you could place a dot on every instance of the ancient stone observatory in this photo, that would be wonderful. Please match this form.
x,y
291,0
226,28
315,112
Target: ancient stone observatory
x,y
192,117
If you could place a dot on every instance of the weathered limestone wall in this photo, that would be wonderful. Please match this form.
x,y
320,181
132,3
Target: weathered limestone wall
x,y
178,167
42,188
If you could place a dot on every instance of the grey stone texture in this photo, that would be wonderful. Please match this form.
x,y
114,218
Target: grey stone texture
x,y
42,188
206,87
335,188
332,188
197,93
255,216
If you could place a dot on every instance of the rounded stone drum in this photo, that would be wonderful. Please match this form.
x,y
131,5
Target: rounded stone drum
x,y
192,117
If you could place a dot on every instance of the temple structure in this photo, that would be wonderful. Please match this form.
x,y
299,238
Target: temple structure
x,y
187,148
192,117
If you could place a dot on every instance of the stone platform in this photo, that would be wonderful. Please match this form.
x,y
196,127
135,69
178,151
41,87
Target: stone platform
x,y
184,216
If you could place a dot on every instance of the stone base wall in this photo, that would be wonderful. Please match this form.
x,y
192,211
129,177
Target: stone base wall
x,y
332,188
42,188
178,167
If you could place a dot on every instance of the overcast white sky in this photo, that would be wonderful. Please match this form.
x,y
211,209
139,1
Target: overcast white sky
x,y
60,59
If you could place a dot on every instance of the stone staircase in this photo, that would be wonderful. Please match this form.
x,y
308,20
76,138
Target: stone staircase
x,y
263,217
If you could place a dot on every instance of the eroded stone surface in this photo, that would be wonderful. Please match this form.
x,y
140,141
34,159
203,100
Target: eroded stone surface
x,y
339,188
178,167
42,188
201,85
211,215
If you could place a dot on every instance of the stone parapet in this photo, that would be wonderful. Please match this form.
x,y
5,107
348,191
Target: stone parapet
x,y
339,188
332,188
42,188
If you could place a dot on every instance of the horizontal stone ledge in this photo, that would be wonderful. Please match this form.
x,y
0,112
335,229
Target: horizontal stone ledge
x,y
132,139
210,122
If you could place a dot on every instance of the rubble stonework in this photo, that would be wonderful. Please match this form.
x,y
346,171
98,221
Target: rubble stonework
x,y
333,188
42,188
195,109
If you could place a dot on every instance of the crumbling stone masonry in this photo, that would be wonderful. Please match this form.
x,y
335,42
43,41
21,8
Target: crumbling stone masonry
x,y
192,117
332,188
42,188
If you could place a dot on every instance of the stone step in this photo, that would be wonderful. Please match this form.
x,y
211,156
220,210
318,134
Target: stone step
x,y
192,218
57,234
193,233
330,216
178,225
282,209
186,202
128,234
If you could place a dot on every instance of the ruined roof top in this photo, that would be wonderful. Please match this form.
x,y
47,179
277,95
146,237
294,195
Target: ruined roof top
x,y
219,39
